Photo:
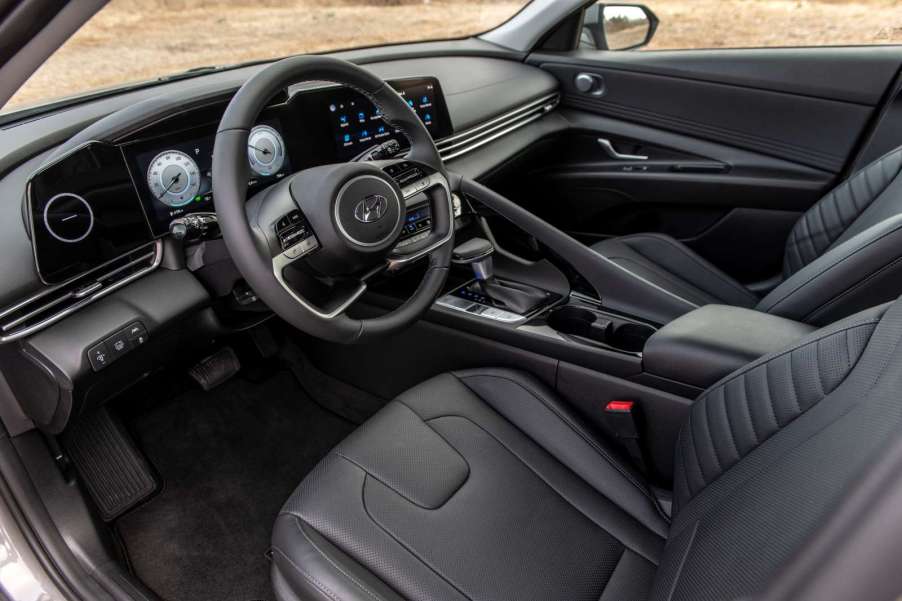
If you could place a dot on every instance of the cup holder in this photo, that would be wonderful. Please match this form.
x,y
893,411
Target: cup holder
x,y
631,336
601,328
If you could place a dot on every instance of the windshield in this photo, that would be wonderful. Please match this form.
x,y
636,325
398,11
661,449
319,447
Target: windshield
x,y
136,40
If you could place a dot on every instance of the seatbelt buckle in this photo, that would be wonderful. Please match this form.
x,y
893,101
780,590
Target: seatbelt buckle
x,y
622,417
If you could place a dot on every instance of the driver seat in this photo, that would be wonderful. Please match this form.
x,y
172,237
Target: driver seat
x,y
482,485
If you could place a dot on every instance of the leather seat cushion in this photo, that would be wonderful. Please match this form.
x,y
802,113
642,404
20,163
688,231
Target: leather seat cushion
x,y
474,485
671,268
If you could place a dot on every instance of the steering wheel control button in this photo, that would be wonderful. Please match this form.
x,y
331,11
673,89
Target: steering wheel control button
x,y
368,210
405,172
295,236
68,217
302,248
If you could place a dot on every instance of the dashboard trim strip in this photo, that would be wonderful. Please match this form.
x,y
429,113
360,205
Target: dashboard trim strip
x,y
156,255
480,135
501,118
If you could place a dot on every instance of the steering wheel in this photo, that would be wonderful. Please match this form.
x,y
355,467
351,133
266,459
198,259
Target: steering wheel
x,y
308,244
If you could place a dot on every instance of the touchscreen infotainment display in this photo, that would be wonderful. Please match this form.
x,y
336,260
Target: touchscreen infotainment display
x,y
357,124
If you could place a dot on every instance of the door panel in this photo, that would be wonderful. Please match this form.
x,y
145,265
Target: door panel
x,y
738,144
811,131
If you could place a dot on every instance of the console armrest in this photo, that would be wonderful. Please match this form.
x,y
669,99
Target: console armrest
x,y
701,347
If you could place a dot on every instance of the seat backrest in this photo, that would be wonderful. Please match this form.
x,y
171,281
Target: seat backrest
x,y
767,453
845,253
871,195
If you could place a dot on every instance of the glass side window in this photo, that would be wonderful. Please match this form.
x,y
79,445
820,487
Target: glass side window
x,y
710,24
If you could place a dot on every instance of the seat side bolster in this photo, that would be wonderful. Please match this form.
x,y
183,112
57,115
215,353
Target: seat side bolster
x,y
309,564
679,259
667,278
533,409
859,273
739,413
857,202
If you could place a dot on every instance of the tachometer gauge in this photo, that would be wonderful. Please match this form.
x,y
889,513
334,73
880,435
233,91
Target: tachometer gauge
x,y
265,150
173,178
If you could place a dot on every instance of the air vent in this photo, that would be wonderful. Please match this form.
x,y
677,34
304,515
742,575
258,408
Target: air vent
x,y
480,135
45,308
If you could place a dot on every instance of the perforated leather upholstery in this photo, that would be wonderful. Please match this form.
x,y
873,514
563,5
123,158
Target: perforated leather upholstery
x,y
843,255
543,510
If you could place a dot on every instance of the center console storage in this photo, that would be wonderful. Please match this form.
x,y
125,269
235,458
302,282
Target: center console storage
x,y
701,347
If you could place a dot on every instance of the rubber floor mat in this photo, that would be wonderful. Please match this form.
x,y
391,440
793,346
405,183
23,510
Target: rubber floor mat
x,y
111,468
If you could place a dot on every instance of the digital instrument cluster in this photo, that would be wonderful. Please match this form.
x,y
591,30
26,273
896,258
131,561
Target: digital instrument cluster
x,y
102,201
179,180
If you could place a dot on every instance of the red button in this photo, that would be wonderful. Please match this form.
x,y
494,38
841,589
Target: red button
x,y
619,406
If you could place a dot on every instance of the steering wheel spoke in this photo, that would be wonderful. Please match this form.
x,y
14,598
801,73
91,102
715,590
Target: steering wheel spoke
x,y
437,192
326,301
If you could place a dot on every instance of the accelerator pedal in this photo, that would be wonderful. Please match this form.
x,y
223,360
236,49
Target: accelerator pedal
x,y
112,469
215,369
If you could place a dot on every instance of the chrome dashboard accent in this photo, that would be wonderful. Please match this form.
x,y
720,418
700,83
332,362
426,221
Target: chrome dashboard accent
x,y
92,290
484,133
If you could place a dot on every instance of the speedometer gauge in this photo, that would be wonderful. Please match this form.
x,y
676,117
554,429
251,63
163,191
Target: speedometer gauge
x,y
173,178
265,150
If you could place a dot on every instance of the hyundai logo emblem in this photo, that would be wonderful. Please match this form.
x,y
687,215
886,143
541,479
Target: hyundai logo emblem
x,y
371,209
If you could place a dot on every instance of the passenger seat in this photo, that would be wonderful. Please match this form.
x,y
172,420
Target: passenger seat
x,y
843,255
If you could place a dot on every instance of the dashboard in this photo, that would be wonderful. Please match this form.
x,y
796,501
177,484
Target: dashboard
x,y
102,266
101,200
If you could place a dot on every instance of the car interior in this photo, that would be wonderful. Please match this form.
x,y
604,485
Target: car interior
x,y
521,315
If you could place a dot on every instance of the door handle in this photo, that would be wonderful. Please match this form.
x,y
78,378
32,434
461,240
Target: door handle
x,y
611,152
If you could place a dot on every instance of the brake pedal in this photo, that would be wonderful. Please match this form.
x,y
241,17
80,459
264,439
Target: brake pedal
x,y
215,369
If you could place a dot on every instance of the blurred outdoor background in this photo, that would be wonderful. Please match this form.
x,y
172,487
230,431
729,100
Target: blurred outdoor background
x,y
133,40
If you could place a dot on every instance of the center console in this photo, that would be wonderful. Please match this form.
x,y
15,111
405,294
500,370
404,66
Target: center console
x,y
704,345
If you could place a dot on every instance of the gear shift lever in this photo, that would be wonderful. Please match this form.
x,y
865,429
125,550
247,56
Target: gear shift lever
x,y
476,252
513,296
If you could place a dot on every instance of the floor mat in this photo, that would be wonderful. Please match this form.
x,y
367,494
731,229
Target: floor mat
x,y
228,459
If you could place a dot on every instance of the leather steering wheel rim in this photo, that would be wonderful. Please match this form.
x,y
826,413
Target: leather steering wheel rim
x,y
243,238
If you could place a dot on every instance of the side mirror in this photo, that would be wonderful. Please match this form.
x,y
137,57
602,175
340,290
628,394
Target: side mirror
x,y
617,26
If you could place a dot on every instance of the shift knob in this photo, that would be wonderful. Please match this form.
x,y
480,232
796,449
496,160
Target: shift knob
x,y
478,253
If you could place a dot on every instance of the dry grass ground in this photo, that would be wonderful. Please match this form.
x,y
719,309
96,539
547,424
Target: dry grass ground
x,y
744,23
131,40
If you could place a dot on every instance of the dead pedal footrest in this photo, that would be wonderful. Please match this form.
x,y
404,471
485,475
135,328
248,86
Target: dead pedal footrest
x,y
112,469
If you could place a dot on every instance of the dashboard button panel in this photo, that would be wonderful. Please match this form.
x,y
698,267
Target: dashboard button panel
x,y
118,344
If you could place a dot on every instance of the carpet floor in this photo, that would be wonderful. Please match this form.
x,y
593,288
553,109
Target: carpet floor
x,y
227,460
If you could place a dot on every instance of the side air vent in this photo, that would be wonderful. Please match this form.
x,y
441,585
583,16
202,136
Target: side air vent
x,y
480,135
47,307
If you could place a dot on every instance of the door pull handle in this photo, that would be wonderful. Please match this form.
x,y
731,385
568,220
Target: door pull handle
x,y
611,152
